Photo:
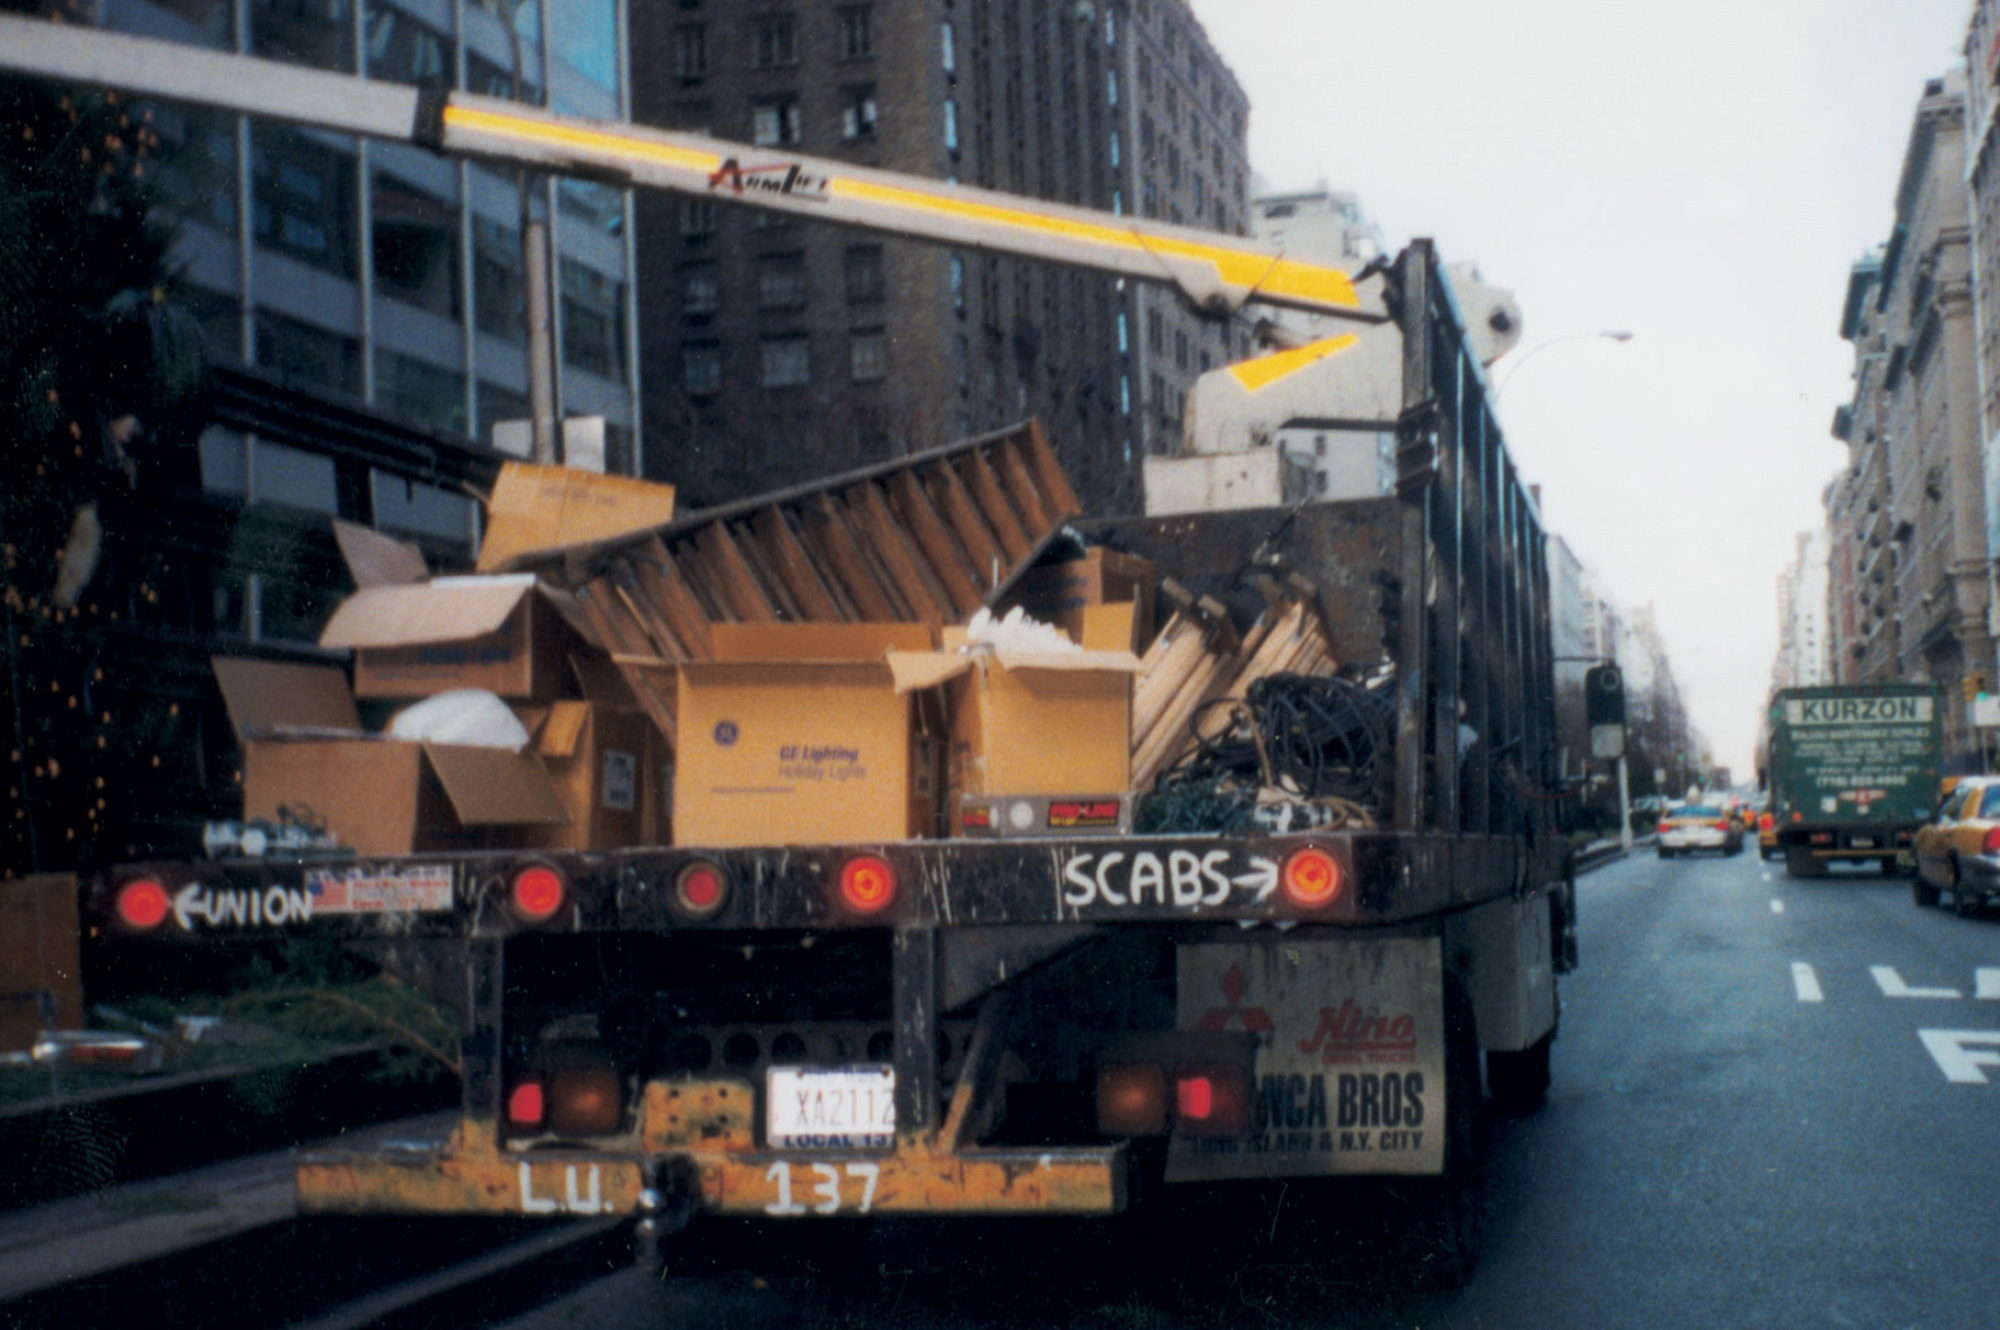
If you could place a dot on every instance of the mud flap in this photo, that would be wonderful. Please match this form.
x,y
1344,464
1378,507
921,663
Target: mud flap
x,y
1350,1064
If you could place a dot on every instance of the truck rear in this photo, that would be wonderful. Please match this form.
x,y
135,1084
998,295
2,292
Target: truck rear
x,y
1853,771
1047,1013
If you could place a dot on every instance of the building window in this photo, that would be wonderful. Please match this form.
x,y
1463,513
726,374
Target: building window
x,y
948,50
1124,339
857,32
1200,194
305,352
1156,332
303,198
690,52
423,392
862,268
857,112
497,300
697,218
701,289
781,281
693,117
319,33
951,124
1194,132
593,321
958,285
1110,28
1180,349
415,247
1111,87
1124,395
785,362
774,41
868,355
701,368
405,51
1117,202
1114,148
775,121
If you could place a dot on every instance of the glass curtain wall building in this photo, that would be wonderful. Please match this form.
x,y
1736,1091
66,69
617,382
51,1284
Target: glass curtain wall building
x,y
383,271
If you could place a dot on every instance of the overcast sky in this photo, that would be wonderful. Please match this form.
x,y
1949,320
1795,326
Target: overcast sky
x,y
1701,173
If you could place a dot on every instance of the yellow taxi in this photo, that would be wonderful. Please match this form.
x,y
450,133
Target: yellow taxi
x,y
1959,850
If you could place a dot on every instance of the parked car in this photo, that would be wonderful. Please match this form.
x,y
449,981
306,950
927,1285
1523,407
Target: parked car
x,y
1959,850
1694,827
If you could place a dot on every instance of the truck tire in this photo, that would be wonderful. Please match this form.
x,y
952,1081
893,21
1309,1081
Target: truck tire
x,y
1799,862
1519,1082
1442,1217
1925,895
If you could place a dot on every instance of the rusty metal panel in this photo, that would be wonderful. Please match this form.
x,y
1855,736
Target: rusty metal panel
x,y
706,1115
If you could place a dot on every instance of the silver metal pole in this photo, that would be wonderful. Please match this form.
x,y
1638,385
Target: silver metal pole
x,y
1624,809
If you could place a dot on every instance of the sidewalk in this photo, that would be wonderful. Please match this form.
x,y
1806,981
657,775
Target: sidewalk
x,y
67,1240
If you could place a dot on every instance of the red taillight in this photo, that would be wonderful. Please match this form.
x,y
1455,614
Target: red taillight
x,y
1662,829
586,1101
525,1105
1722,825
1798,816
1211,1100
701,890
867,884
537,894
1991,845
1765,822
1311,878
142,903
1132,1100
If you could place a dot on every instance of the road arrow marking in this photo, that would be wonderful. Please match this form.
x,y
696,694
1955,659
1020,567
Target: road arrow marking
x,y
1777,906
1954,1052
1806,982
1987,980
1892,985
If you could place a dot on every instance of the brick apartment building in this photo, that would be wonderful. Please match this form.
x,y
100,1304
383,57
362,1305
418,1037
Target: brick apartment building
x,y
775,351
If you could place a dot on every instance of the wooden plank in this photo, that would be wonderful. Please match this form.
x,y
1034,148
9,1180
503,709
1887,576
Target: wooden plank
x,y
1012,466
661,580
732,576
788,559
873,593
948,564
882,531
614,623
657,697
990,562
1057,497
633,596
693,569
751,546
987,491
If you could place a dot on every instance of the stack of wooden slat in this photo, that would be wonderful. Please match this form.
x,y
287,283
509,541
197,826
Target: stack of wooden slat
x,y
1194,662
927,539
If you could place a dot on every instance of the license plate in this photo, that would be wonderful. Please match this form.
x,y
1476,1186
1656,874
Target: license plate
x,y
1863,842
833,1108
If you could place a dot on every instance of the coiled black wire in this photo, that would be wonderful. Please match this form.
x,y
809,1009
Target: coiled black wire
x,y
1316,736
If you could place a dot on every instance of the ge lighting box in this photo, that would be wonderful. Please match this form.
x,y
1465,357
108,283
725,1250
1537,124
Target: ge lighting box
x,y
795,734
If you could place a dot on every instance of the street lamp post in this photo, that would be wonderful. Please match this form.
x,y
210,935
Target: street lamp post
x,y
1608,334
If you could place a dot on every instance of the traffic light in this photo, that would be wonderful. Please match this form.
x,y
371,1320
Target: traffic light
x,y
1974,685
1604,711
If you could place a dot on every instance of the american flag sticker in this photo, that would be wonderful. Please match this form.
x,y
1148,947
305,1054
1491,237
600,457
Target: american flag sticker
x,y
424,888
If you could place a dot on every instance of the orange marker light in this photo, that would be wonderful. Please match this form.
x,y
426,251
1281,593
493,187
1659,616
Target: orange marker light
x,y
537,894
1312,878
1132,1100
142,903
867,884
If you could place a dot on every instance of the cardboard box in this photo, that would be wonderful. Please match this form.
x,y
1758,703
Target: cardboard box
x,y
41,984
542,509
601,753
1058,593
796,734
304,751
1031,723
502,634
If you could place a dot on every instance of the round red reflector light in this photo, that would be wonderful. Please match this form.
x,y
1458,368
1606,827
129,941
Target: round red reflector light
x,y
142,903
538,893
1311,878
701,889
867,884
525,1104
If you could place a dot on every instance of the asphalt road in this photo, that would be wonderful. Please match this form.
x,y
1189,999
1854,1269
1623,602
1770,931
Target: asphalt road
x,y
1776,1103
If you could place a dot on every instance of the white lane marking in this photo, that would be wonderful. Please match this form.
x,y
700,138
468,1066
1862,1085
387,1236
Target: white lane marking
x,y
1806,982
1987,980
1767,877
1777,906
1960,1063
1892,985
